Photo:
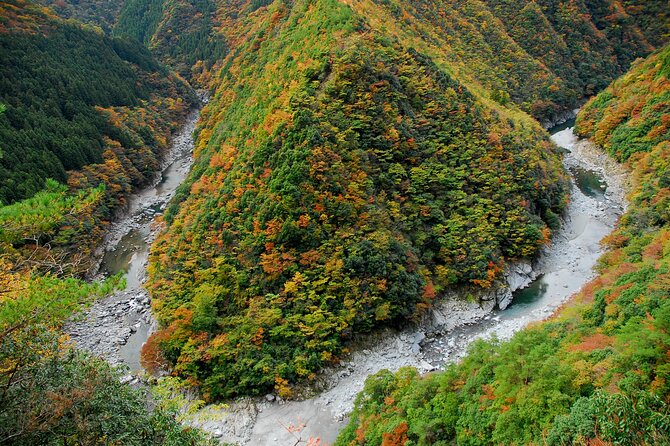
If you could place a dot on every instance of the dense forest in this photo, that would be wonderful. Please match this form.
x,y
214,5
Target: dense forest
x,y
632,116
62,101
353,193
544,55
597,372
358,160
391,166
101,13
92,113
183,34
84,119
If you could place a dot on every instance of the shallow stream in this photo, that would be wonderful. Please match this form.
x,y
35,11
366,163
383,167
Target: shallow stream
x,y
116,327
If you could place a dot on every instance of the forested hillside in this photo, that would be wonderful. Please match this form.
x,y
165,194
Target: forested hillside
x,y
83,120
632,116
543,55
183,34
652,17
102,13
338,187
62,101
81,109
597,373
358,160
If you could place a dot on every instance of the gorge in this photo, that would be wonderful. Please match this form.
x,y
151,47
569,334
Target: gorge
x,y
443,335
365,235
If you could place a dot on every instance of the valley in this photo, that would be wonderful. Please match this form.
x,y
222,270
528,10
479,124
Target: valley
x,y
116,327
270,222
447,331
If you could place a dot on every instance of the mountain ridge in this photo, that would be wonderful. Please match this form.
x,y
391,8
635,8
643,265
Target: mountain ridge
x,y
308,174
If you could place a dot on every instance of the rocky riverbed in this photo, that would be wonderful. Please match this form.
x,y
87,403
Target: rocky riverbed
x,y
116,327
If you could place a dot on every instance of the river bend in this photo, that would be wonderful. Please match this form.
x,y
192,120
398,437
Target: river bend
x,y
116,327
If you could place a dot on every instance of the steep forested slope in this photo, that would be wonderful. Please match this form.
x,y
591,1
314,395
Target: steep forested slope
x,y
633,115
342,180
652,17
82,109
102,13
598,372
543,55
181,33
71,99
63,86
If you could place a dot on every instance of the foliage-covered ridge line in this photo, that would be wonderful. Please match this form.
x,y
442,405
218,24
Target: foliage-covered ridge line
x,y
342,182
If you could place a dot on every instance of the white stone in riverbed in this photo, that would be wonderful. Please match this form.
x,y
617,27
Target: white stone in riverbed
x,y
504,298
126,379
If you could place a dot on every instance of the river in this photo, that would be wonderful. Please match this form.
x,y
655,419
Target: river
x,y
116,327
